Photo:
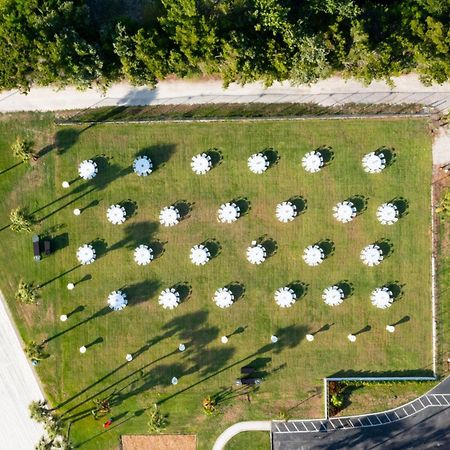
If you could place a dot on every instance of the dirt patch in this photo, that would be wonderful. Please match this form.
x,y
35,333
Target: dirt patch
x,y
233,413
160,442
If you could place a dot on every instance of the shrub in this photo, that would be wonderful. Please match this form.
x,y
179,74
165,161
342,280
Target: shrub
x,y
23,149
20,220
26,293
157,421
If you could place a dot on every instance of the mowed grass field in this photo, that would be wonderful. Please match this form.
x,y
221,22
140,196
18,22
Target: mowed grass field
x,y
292,370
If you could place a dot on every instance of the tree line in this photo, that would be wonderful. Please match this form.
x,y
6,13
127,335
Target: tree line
x,y
62,42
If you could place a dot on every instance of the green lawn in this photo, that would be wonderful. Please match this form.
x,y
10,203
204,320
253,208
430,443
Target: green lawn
x,y
293,368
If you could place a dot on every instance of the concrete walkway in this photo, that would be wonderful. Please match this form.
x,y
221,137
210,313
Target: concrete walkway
x,y
257,425
18,387
441,146
332,91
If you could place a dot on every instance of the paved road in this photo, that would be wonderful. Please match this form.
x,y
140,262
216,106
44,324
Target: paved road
x,y
407,89
421,424
18,387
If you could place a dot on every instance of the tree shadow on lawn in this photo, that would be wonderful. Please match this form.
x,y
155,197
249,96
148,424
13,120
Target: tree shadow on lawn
x,y
64,139
136,234
137,382
264,349
185,323
289,337
136,373
209,360
142,291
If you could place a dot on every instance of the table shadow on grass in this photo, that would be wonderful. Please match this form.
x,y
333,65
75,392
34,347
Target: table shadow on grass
x,y
159,154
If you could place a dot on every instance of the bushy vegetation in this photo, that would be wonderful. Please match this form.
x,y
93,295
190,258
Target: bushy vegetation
x,y
75,42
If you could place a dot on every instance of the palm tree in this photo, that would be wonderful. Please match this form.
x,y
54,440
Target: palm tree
x,y
444,206
53,426
157,420
38,410
26,293
23,149
20,220
44,444
62,443
35,351
209,404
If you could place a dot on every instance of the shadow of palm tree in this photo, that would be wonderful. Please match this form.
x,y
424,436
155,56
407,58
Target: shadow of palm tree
x,y
108,172
11,167
65,138
136,234
91,204
100,313
159,154
40,286
210,360
289,337
142,291
186,324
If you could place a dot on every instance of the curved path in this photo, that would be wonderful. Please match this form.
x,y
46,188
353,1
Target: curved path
x,y
257,425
